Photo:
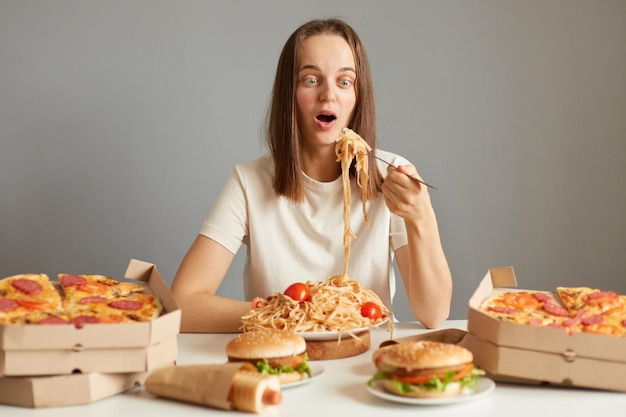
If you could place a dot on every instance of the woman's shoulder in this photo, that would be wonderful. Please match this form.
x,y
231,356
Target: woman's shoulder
x,y
261,162
260,167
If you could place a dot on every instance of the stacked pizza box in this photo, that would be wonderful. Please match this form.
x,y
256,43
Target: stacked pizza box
x,y
533,354
91,362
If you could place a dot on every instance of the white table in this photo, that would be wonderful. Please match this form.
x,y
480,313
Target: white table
x,y
341,390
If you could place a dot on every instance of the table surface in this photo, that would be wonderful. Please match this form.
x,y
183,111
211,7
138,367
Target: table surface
x,y
341,389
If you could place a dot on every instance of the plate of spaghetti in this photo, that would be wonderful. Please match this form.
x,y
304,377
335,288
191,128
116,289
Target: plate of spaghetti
x,y
333,308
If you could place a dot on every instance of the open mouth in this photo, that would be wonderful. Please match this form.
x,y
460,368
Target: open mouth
x,y
326,117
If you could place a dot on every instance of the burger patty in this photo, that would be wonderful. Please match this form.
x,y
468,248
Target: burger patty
x,y
294,360
402,372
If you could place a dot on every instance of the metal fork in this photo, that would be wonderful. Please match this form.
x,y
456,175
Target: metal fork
x,y
410,176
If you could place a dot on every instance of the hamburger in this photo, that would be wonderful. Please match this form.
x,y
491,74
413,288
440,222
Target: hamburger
x,y
425,369
273,352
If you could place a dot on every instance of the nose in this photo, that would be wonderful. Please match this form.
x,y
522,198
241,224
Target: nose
x,y
327,93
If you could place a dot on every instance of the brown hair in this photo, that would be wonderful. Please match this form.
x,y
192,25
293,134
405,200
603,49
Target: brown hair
x,y
283,133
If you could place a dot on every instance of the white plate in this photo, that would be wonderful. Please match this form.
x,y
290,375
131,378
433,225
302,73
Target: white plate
x,y
335,335
316,372
484,387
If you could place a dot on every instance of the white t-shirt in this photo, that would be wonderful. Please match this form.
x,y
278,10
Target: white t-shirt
x,y
288,242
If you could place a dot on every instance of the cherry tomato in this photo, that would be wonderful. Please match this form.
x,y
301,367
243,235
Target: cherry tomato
x,y
298,291
371,310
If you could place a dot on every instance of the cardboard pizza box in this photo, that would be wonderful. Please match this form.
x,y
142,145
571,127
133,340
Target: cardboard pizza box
x,y
129,347
65,390
534,354
66,361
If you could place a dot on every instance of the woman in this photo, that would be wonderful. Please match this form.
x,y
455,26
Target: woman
x,y
287,206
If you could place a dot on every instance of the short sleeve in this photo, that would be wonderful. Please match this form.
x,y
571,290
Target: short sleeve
x,y
227,221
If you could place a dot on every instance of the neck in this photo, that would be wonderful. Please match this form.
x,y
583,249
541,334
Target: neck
x,y
321,164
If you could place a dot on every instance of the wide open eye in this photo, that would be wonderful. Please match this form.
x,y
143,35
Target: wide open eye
x,y
345,83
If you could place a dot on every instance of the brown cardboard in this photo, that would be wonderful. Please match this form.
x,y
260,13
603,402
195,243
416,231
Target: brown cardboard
x,y
67,361
108,348
533,354
65,390
454,336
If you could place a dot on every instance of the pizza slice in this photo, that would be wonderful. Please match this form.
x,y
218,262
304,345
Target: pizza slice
x,y
31,292
29,299
76,287
594,310
129,308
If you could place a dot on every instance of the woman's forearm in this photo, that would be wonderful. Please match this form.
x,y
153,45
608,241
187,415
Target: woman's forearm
x,y
208,313
426,274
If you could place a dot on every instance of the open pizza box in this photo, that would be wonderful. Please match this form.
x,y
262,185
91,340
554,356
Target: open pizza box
x,y
512,352
106,348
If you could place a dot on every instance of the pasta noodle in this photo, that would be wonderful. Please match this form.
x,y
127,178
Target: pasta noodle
x,y
350,146
335,303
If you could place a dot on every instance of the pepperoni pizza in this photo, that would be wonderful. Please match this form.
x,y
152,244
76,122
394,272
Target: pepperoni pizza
x,y
575,310
28,297
34,299
596,311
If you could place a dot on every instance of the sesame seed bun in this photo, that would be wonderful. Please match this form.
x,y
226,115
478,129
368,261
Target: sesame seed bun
x,y
265,344
424,354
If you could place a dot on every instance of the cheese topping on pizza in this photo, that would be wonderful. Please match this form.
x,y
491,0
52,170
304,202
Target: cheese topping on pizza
x,y
34,299
574,309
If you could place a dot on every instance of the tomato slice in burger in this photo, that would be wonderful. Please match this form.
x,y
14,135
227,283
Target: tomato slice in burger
x,y
298,291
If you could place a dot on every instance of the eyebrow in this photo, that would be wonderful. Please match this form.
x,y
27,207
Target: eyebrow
x,y
315,67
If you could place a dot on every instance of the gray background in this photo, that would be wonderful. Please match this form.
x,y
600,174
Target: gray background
x,y
120,119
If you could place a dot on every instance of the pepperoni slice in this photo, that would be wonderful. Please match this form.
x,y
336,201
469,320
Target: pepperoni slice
x,y
595,319
69,280
53,320
574,321
555,310
8,304
126,304
504,310
581,314
27,286
542,296
602,294
90,300
80,321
